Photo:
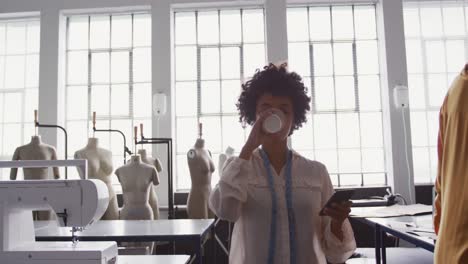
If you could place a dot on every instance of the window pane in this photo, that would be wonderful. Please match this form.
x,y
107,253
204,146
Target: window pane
x,y
33,37
186,63
14,71
186,102
121,31
433,126
77,102
373,160
421,165
32,71
100,100
348,130
11,138
210,97
323,59
78,32
77,135
304,137
209,63
208,27
187,132
371,130
230,63
350,180
2,43
298,58
142,100
230,92
16,38
2,113
453,21
100,67
253,25
342,19
431,20
343,58
142,65
324,93
120,67
414,59
437,88
211,133
434,164
411,17
345,98
254,58
369,93
119,99
329,158
117,145
141,30
297,24
364,22
319,19
77,70
31,101
349,160
2,69
100,32
374,179
230,21
12,101
367,54
417,97
455,55
419,135
435,56
183,173
233,133
324,131
185,32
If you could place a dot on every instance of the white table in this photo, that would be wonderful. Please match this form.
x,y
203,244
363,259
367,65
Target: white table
x,y
159,259
195,231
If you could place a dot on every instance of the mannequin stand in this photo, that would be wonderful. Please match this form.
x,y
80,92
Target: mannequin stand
x,y
168,142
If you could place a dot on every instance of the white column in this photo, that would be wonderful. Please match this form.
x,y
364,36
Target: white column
x,y
50,74
276,30
162,82
393,68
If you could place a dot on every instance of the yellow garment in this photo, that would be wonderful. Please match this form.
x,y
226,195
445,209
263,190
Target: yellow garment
x,y
451,213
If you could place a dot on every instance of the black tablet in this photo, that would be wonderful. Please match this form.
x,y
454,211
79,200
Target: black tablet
x,y
338,197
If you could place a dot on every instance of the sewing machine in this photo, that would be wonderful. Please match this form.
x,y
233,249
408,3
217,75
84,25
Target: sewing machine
x,y
77,203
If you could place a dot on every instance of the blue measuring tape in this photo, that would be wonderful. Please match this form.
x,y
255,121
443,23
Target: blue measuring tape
x,y
274,209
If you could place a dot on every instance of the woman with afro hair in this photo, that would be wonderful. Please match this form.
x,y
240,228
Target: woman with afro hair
x,y
272,193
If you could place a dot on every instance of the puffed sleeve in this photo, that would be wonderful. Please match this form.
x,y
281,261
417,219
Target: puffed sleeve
x,y
227,198
336,250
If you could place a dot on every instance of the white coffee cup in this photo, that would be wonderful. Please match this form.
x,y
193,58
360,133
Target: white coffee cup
x,y
274,122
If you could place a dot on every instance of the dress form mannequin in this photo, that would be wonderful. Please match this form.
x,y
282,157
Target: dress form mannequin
x,y
223,157
137,179
153,199
100,167
201,167
36,150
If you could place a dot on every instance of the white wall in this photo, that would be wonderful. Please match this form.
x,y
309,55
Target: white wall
x,y
51,63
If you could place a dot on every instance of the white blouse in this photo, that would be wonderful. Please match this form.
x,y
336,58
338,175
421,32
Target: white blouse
x,y
243,196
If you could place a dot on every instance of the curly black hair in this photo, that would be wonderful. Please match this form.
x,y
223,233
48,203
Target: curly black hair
x,y
277,81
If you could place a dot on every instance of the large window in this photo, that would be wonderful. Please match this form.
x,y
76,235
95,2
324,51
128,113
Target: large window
x,y
108,72
19,81
215,51
334,48
436,51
